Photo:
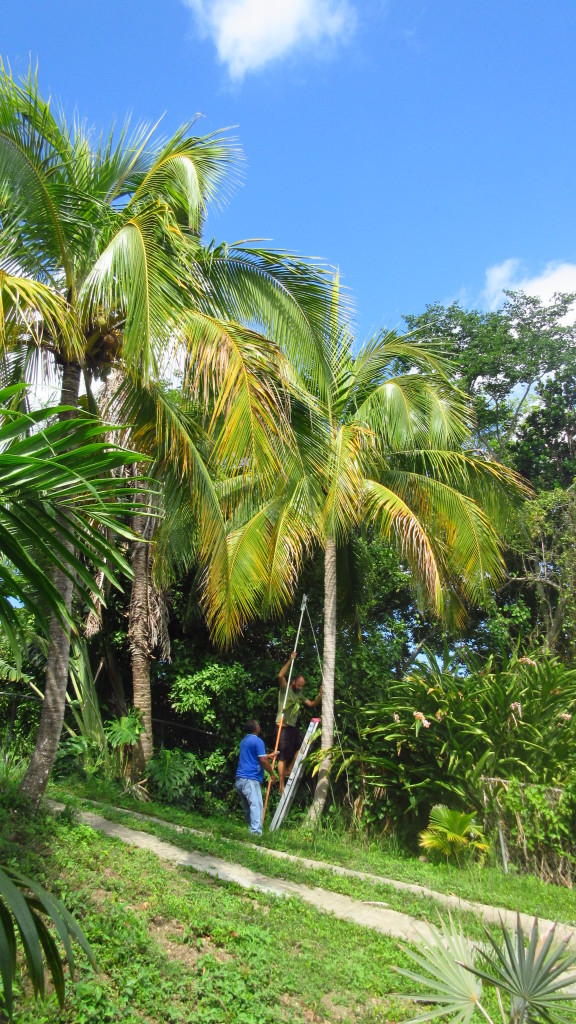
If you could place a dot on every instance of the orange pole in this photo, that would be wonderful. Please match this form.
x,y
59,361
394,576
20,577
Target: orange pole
x,y
281,722
273,764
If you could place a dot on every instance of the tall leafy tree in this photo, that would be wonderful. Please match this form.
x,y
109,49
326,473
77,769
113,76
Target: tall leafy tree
x,y
518,364
388,446
103,266
501,356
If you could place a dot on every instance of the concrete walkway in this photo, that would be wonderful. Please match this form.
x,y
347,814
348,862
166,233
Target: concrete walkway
x,y
380,918
366,914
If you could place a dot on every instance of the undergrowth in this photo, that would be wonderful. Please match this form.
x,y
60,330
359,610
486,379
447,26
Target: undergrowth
x,y
487,884
173,946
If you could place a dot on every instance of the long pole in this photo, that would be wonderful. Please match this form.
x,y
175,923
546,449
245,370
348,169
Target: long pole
x,y
281,722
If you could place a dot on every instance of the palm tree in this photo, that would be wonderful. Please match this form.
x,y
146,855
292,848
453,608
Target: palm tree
x,y
169,428
387,445
102,267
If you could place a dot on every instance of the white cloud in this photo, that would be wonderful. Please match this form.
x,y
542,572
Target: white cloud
x,y
250,33
556,277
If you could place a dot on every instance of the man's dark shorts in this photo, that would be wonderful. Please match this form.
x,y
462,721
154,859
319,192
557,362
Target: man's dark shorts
x,y
290,742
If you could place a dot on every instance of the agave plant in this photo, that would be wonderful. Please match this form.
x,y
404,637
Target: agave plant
x,y
451,833
533,980
24,906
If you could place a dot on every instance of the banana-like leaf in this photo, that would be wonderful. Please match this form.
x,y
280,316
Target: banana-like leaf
x,y
25,908
57,497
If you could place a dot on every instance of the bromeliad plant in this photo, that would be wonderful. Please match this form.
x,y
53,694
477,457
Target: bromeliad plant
x,y
533,980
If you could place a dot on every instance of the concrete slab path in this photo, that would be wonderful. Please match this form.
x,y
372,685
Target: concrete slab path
x,y
382,919
366,914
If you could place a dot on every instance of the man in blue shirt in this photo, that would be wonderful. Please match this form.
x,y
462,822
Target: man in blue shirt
x,y
253,762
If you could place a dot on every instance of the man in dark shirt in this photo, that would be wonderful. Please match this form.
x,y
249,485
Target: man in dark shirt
x,y
290,736
253,762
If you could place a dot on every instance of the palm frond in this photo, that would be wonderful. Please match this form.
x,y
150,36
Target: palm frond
x,y
397,522
24,905
460,531
32,311
189,173
135,277
238,375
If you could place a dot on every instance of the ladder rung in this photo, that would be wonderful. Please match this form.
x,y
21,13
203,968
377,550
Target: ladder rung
x,y
295,775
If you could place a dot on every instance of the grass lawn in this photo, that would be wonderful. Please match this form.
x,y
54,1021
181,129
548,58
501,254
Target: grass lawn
x,y
175,946
488,884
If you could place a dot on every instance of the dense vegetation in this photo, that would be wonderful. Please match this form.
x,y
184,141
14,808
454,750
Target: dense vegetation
x,y
224,444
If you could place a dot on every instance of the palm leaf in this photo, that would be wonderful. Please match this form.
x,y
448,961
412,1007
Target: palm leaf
x,y
23,906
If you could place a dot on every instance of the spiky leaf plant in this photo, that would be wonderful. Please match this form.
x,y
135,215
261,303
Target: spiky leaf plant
x,y
533,980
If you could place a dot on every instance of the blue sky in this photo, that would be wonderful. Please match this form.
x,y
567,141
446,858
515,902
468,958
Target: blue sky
x,y
426,147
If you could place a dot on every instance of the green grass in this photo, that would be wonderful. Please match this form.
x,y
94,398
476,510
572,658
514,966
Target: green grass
x,y
487,885
173,946
233,851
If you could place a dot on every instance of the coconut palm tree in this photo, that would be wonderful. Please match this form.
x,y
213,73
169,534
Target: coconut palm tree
x,y
102,267
164,424
387,445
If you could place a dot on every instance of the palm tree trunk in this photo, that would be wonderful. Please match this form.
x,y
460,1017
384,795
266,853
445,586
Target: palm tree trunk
x,y
139,640
51,720
328,673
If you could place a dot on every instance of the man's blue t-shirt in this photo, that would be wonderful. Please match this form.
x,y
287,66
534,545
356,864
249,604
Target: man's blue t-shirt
x,y
251,748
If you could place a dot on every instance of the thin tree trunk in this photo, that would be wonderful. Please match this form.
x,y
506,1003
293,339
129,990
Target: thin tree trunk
x,y
328,674
139,640
51,720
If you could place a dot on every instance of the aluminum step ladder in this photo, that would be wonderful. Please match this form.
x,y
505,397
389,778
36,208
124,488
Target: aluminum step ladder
x,y
295,776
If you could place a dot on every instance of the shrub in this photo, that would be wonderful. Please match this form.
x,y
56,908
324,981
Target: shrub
x,y
539,826
449,724
180,777
452,834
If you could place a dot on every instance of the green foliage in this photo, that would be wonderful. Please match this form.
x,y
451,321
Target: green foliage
x,y
450,724
545,549
123,734
544,450
24,905
55,483
540,828
452,834
535,978
125,731
205,692
180,777
500,356
78,754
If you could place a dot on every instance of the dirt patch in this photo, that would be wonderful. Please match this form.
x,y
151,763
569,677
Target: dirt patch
x,y
297,1009
100,896
173,937
335,1011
